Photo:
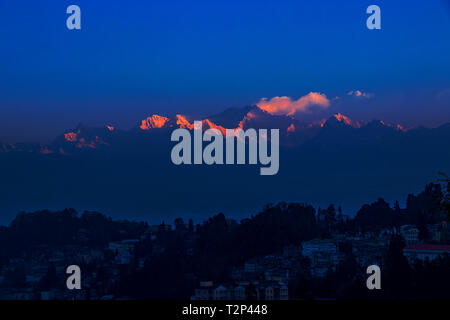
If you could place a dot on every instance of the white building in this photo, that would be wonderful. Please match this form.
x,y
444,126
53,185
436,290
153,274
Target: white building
x,y
410,234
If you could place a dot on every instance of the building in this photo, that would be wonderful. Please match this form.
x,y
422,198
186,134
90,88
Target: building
x,y
259,290
323,255
239,293
439,232
123,250
272,291
222,293
250,267
425,251
276,274
204,292
369,252
410,234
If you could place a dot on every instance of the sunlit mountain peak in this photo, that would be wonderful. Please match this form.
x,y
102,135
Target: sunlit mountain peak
x,y
155,121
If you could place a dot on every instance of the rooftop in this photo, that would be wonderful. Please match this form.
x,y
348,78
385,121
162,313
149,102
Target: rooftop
x,y
433,247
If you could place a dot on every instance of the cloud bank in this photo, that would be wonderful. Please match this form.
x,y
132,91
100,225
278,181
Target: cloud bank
x,y
286,106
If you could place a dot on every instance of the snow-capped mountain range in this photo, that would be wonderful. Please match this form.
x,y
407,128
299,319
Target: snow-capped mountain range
x,y
130,172
293,132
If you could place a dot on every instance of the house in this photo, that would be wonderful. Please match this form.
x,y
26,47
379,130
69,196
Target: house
x,y
222,293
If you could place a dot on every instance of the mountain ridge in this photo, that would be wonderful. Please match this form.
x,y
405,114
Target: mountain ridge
x,y
130,172
293,132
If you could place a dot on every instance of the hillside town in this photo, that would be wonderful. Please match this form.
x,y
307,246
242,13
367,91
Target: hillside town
x,y
303,255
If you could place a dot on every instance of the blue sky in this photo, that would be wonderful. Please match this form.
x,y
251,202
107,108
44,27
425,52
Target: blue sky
x,y
135,58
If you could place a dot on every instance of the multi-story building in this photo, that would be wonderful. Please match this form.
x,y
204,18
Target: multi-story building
x,y
410,234
323,255
425,251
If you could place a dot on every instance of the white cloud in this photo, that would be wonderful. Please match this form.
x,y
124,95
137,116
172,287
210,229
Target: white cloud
x,y
287,106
